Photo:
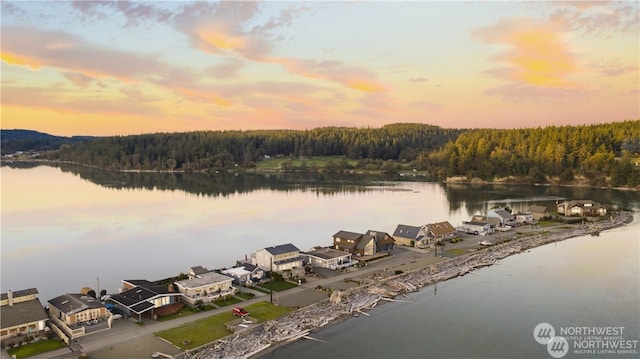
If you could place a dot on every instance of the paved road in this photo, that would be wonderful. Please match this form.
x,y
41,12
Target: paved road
x,y
125,332
137,341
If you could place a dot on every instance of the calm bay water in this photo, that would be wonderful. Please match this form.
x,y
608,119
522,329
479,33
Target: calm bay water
x,y
491,313
63,228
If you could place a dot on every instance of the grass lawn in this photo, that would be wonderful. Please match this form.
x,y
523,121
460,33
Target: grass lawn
x,y
246,296
316,161
230,301
206,330
36,348
457,251
183,312
278,286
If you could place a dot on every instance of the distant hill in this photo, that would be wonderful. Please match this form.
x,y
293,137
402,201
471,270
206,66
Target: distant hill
x,y
12,141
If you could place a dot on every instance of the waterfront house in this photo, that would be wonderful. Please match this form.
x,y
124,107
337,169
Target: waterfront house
x,y
206,288
440,231
411,236
505,217
522,218
539,212
328,258
360,244
74,315
480,228
582,208
22,317
280,258
492,221
245,274
383,241
147,298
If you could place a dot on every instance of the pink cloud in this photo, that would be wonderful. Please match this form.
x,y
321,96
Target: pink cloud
x,y
58,100
64,51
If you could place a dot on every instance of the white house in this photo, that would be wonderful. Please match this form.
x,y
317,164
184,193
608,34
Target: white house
x,y
282,257
245,274
328,258
476,228
206,288
505,217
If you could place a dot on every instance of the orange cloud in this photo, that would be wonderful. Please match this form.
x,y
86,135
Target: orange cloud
x,y
20,60
537,55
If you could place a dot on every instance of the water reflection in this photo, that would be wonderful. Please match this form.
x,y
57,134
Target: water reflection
x,y
475,198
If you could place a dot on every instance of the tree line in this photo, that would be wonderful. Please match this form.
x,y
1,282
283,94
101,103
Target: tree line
x,y
215,150
603,154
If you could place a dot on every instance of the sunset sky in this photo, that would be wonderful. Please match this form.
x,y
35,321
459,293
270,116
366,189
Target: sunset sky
x,y
117,68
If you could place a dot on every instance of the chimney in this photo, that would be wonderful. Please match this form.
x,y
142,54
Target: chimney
x,y
10,297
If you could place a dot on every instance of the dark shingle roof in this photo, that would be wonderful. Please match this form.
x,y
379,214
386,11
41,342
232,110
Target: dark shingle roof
x,y
197,270
74,303
327,253
406,231
22,313
281,249
348,235
134,295
139,282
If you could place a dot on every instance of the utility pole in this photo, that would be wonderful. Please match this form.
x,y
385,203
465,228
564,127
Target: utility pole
x,y
98,293
271,282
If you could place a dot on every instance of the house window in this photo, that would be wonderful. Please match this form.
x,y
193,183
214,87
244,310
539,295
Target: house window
x,y
3,333
32,327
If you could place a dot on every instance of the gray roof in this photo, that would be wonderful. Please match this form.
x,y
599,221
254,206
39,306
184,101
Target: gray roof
x,y
281,249
210,278
197,270
406,231
74,303
19,293
21,313
327,253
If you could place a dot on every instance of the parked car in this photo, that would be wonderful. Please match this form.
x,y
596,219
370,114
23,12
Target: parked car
x,y
239,311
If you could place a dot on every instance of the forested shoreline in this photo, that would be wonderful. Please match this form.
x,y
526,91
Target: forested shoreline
x,y
597,155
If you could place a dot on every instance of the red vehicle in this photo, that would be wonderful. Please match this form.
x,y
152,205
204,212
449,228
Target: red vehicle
x,y
239,311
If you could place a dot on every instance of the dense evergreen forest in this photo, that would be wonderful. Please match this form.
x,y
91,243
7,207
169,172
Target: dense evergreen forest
x,y
13,141
215,150
600,155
